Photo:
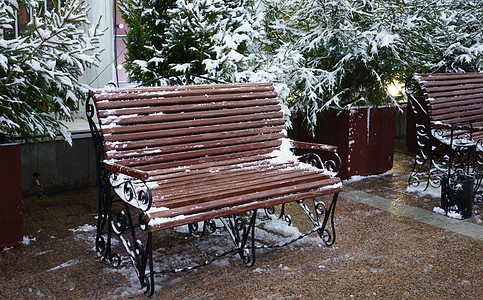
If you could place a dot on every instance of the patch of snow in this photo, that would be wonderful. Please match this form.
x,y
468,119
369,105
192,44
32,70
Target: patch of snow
x,y
421,192
357,178
84,228
27,240
64,265
451,213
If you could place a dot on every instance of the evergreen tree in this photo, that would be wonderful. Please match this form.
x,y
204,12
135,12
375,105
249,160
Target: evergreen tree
x,y
353,49
203,37
148,21
318,54
39,71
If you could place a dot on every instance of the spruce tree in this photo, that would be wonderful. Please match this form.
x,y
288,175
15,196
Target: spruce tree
x,y
39,71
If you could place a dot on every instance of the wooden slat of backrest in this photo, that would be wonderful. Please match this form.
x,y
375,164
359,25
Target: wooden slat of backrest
x,y
215,160
131,156
189,107
193,126
155,126
117,98
453,97
154,117
144,89
237,148
435,77
177,139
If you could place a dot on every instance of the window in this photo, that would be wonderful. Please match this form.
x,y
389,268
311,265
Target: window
x,y
120,32
22,18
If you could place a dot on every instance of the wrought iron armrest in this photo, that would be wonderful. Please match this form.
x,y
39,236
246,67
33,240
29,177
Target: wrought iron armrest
x,y
313,146
118,168
330,159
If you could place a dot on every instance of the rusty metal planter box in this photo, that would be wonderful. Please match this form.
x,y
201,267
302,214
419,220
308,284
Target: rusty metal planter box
x,y
11,226
364,137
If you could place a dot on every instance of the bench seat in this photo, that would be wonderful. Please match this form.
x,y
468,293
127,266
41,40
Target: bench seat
x,y
188,154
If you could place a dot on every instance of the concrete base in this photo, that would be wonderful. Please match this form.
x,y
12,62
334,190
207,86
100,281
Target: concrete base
x,y
58,167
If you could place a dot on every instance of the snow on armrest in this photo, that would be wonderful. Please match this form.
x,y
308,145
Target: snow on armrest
x,y
114,167
313,146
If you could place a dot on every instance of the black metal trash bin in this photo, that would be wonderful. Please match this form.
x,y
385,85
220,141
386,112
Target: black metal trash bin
x,y
457,194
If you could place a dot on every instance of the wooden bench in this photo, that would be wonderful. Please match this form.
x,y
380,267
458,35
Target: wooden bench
x,y
448,111
186,154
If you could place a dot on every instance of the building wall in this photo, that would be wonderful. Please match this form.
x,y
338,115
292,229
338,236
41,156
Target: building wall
x,y
57,166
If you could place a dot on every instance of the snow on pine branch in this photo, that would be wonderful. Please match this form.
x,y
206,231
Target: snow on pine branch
x,y
41,69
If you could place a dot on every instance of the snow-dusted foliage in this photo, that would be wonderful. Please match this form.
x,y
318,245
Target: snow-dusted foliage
x,y
354,49
39,70
318,54
204,37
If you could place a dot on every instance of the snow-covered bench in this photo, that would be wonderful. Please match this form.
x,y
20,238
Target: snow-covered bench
x,y
180,155
448,111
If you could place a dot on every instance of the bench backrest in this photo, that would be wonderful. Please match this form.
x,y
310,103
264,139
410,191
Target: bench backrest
x,y
164,127
453,97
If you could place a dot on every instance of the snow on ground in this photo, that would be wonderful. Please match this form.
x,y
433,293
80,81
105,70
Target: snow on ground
x,y
357,178
270,230
420,191
450,213
64,265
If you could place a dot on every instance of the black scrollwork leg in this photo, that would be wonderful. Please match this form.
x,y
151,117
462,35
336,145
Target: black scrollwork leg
x,y
270,210
320,218
140,256
209,226
239,232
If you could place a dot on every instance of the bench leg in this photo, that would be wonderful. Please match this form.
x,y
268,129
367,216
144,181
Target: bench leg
x,y
239,232
141,256
322,217
103,245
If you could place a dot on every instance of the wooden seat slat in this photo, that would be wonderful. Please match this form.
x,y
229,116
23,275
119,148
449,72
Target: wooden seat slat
x,y
194,154
210,195
164,223
245,198
200,181
221,164
452,121
213,175
216,191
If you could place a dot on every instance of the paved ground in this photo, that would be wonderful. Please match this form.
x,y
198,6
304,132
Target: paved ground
x,y
390,245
